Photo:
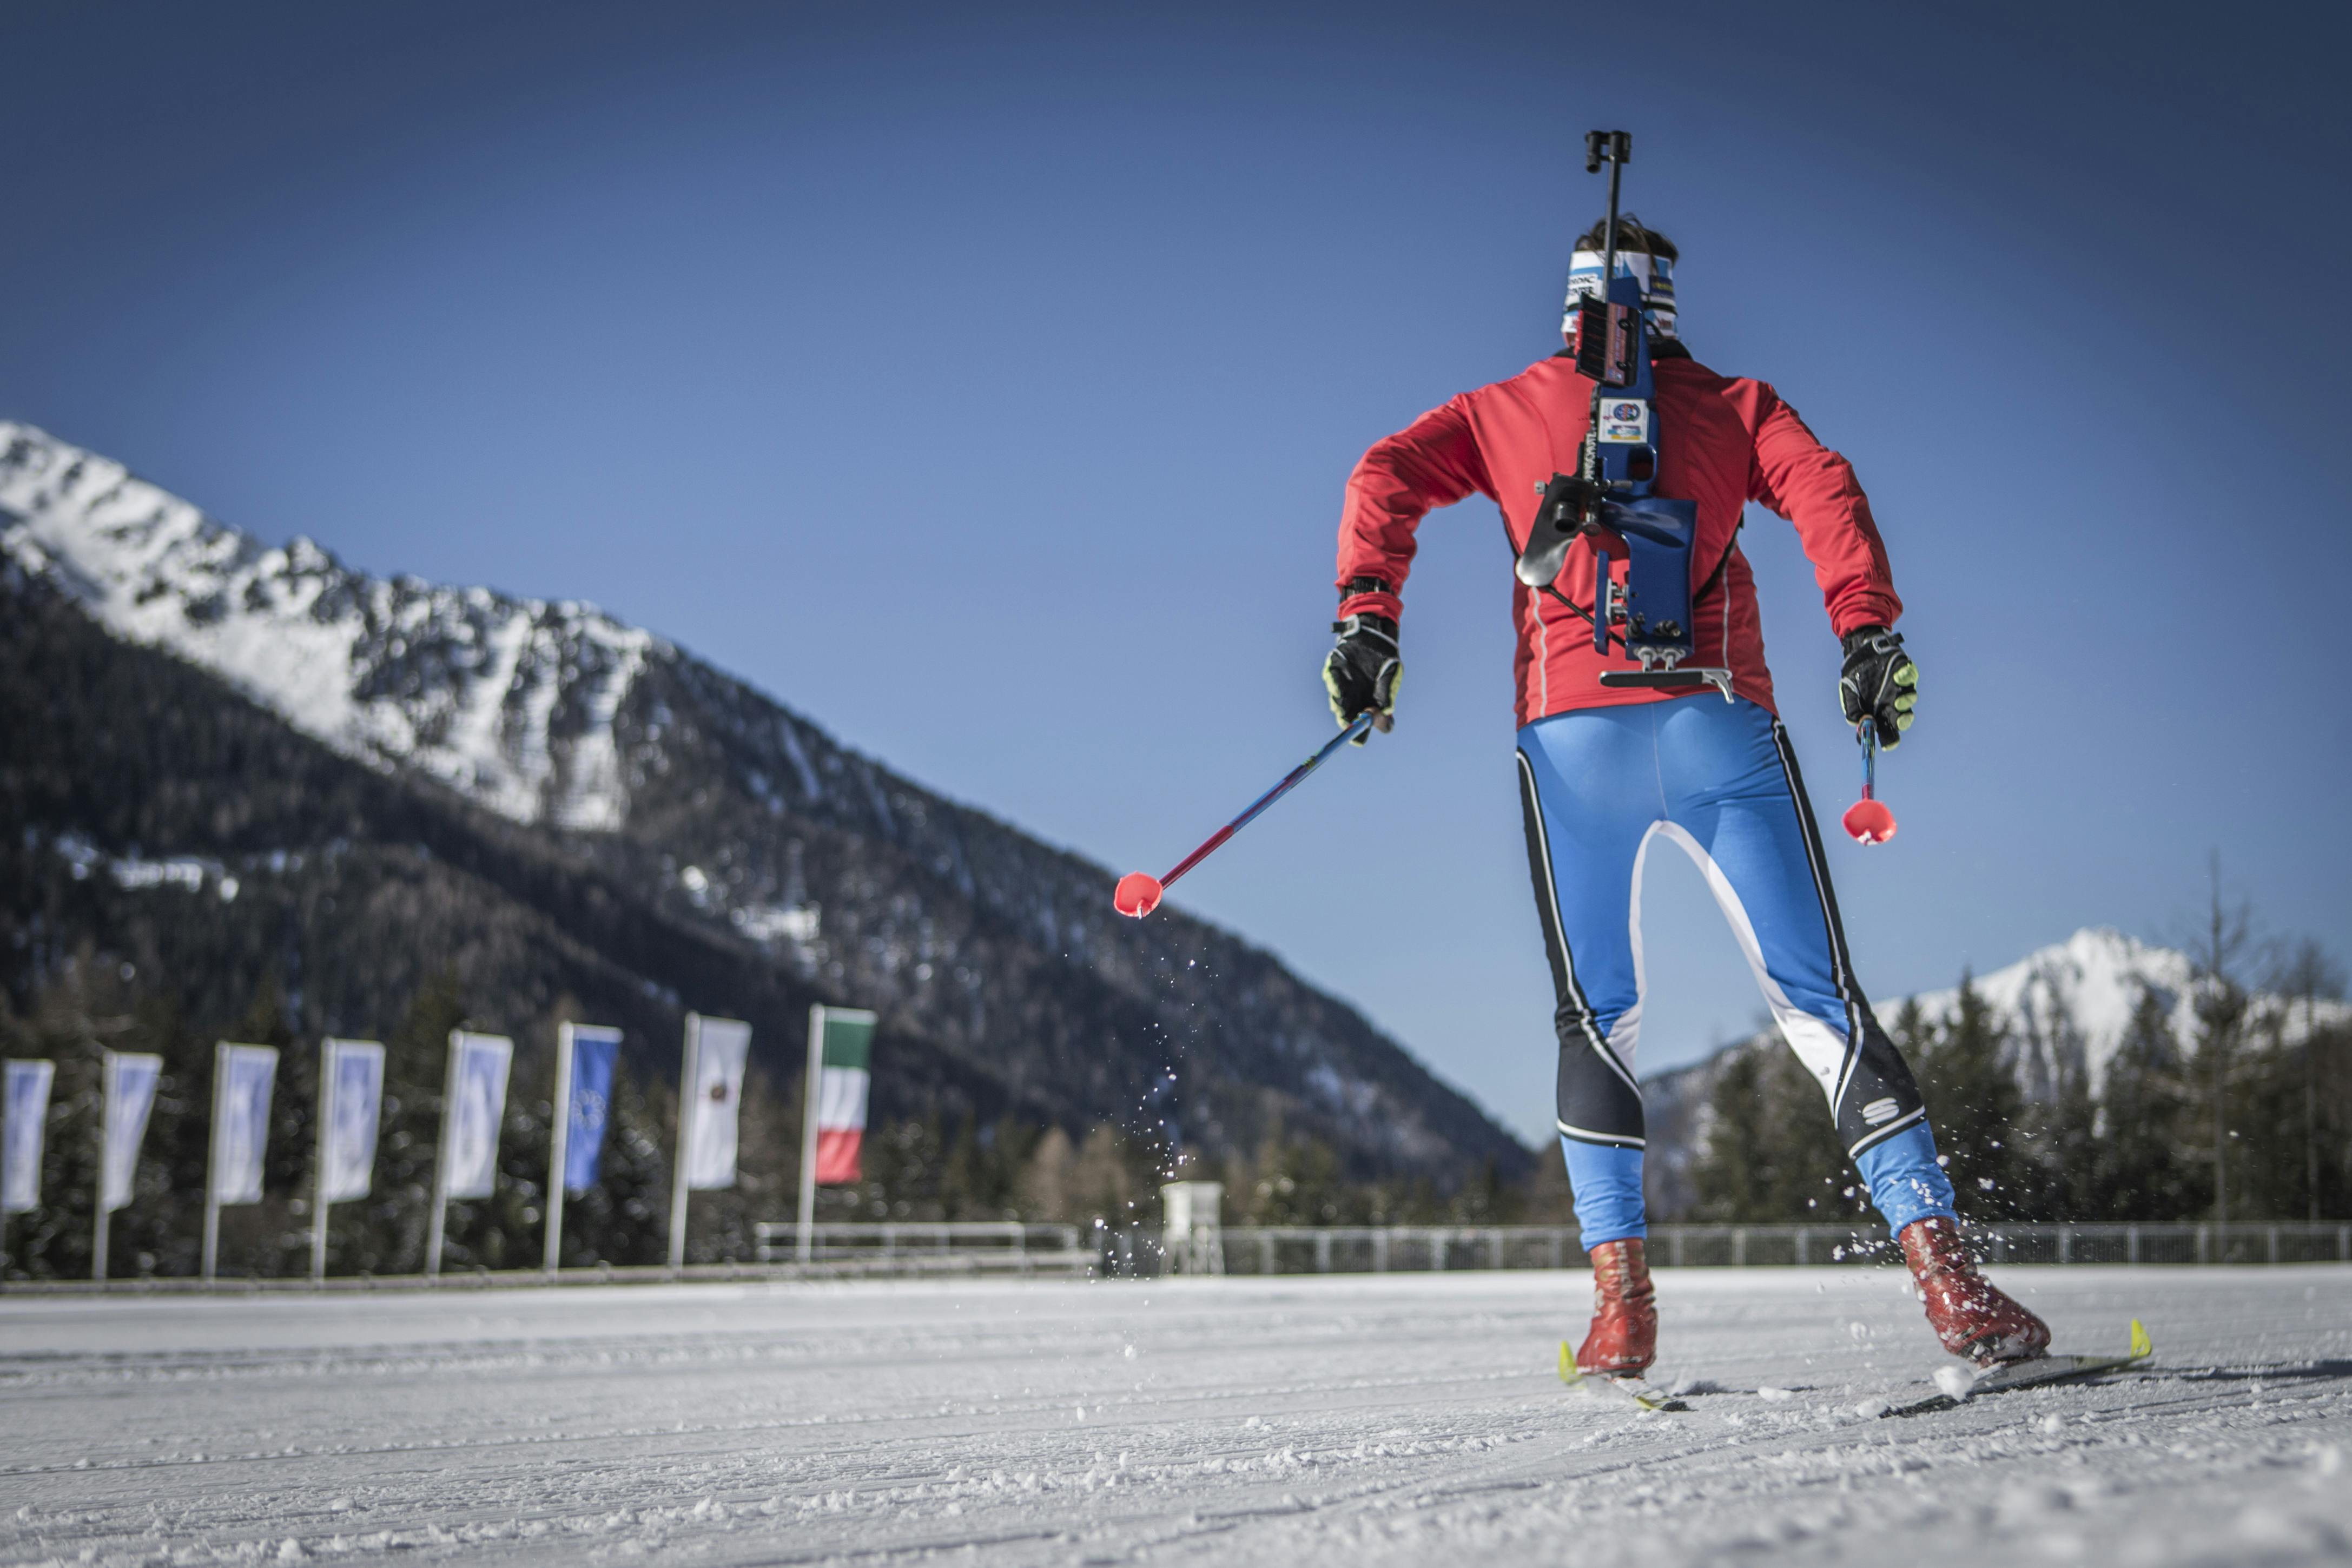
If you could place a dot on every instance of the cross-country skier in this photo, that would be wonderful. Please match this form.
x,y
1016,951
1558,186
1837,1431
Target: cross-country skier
x,y
1605,771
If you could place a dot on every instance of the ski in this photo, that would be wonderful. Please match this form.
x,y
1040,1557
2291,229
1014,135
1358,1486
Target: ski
x,y
2036,1373
1632,1390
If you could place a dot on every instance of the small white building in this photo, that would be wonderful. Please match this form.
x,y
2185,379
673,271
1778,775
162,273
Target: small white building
x,y
1192,1232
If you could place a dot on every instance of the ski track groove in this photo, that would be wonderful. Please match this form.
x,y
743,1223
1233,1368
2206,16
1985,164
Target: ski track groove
x,y
1372,1420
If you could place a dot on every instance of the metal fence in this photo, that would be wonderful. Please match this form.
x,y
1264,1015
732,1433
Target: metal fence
x,y
975,1246
2235,1243
1379,1250
895,1249
1389,1249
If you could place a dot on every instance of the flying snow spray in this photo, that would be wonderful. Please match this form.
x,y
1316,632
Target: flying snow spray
x,y
1140,892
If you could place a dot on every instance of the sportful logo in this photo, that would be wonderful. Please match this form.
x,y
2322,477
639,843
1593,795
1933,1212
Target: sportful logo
x,y
1879,1111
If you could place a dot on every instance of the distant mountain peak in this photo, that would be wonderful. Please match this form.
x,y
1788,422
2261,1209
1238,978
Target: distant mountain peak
x,y
2064,1007
2071,1003
2076,995
725,851
2074,1000
508,701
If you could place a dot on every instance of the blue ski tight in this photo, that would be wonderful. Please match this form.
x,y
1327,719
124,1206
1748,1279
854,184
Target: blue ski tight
x,y
1720,782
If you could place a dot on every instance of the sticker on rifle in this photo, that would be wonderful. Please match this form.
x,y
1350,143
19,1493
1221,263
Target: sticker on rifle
x,y
1624,419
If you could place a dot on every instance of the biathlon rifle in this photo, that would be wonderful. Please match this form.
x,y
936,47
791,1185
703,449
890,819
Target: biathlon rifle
x,y
1609,500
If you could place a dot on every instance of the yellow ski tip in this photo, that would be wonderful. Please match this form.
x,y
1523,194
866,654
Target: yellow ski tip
x,y
2141,1344
1569,1373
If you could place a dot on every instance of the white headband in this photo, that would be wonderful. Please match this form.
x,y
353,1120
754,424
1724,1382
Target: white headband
x,y
1656,274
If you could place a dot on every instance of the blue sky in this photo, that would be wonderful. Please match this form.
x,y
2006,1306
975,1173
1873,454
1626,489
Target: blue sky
x,y
983,386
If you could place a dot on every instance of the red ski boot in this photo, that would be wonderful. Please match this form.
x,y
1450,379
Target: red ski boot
x,y
1969,1313
1623,1340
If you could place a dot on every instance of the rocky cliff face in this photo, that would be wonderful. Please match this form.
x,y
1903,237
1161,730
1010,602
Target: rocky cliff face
x,y
353,779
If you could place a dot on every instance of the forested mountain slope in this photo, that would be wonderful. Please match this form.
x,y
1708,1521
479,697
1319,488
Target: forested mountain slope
x,y
232,764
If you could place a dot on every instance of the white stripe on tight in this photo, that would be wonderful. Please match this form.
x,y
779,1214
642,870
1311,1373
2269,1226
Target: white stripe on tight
x,y
1822,1048
1616,1140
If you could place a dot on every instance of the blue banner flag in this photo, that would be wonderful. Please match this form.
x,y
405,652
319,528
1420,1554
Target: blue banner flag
x,y
594,1050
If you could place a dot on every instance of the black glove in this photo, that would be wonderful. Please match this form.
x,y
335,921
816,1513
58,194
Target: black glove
x,y
1361,672
1879,680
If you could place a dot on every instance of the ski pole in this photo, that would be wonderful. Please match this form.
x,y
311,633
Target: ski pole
x,y
1868,819
1138,892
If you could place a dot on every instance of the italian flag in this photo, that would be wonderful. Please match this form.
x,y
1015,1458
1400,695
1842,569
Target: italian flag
x,y
846,1043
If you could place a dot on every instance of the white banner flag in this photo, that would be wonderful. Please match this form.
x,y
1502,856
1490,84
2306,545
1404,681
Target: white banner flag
x,y
478,1105
242,1076
128,1080
351,1079
21,1130
721,1045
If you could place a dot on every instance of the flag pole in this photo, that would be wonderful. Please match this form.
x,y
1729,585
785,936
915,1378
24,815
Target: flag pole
x,y
100,1226
212,1161
439,1227
807,1234
684,1130
559,1144
325,1110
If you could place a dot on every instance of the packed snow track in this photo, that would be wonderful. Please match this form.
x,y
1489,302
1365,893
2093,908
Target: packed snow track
x,y
1364,1421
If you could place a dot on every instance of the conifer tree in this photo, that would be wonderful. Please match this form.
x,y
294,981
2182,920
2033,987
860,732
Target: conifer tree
x,y
1547,1199
2308,974
2144,1125
1046,1190
1975,1104
2220,1005
2063,1146
1103,1179
1771,1152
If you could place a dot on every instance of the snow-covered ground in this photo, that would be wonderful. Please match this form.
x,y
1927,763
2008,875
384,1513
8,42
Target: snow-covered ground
x,y
1365,1420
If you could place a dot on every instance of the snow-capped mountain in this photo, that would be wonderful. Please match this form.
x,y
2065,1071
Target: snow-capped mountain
x,y
2072,1002
509,701
558,806
2067,1005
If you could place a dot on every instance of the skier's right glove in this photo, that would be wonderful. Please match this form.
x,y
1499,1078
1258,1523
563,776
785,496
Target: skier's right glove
x,y
1879,680
1363,671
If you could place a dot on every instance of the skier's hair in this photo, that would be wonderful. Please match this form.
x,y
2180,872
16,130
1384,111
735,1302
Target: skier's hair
x,y
1631,235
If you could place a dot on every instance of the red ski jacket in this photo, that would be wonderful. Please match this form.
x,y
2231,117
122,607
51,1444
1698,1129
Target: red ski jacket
x,y
1724,442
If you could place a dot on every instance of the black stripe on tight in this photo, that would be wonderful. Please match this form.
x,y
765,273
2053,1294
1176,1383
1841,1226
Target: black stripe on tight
x,y
1917,1115
1601,1106
1833,927
1871,1060
1563,967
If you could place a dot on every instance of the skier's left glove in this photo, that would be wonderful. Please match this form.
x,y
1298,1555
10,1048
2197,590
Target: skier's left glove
x,y
1361,672
1879,682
